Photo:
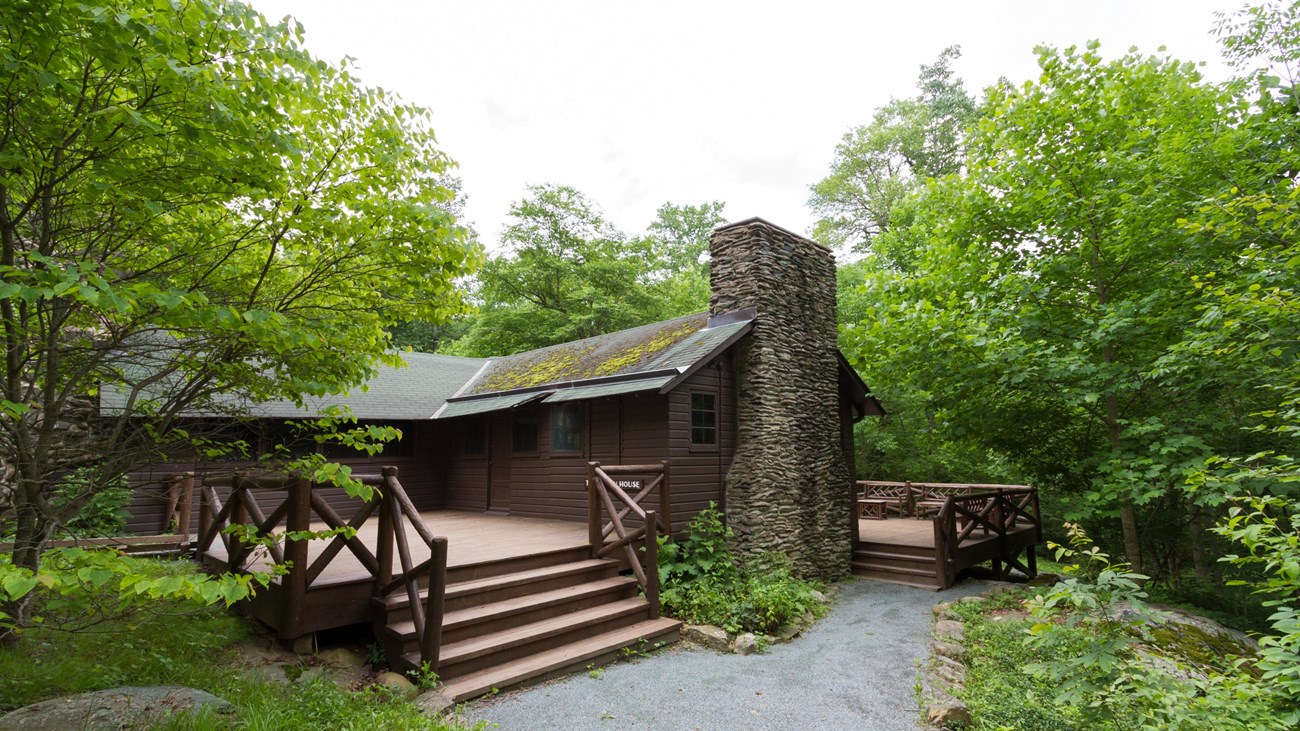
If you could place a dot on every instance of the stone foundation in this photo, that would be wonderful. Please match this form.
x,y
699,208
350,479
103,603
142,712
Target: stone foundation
x,y
789,488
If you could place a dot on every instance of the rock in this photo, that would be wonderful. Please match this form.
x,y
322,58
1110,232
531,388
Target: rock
x,y
433,702
948,714
707,635
113,709
948,649
342,657
940,609
808,618
977,599
397,682
999,589
788,632
949,629
746,644
951,671
817,595
1044,580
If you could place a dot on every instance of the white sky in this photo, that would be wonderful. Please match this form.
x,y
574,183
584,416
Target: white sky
x,y
637,104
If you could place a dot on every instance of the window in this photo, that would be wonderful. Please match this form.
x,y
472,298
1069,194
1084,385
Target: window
x,y
704,420
476,436
525,433
566,428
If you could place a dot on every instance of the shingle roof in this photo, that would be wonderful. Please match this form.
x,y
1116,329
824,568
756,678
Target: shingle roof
x,y
413,392
659,345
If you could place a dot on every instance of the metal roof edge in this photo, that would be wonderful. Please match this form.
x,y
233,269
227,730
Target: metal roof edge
x,y
472,379
560,385
708,357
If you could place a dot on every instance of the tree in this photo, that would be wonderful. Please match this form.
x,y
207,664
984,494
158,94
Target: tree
x,y
567,273
1055,283
877,166
192,206
676,245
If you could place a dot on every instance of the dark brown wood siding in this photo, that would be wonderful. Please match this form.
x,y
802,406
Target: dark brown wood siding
x,y
553,484
699,473
416,472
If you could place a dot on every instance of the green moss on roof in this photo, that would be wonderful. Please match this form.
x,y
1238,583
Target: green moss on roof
x,y
627,351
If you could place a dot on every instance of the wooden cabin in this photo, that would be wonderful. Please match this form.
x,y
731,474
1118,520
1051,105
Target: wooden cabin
x,y
513,532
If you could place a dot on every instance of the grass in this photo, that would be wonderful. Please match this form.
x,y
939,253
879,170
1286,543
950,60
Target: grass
x,y
174,644
999,694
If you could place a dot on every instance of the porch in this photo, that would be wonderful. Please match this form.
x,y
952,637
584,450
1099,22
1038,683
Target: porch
x,y
926,534
487,601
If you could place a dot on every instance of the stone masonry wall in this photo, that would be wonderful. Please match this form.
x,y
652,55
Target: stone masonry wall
x,y
789,488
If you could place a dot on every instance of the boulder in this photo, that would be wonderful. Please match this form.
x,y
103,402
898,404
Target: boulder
x,y
707,635
113,709
342,657
948,715
434,702
398,682
746,644
950,650
949,630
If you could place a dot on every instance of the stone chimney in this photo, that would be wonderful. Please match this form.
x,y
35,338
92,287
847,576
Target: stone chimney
x,y
789,488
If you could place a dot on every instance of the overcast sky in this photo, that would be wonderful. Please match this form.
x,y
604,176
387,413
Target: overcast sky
x,y
637,104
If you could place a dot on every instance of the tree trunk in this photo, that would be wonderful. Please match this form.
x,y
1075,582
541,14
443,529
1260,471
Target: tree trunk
x,y
30,537
1127,512
1197,525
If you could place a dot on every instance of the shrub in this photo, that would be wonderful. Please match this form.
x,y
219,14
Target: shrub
x,y
702,582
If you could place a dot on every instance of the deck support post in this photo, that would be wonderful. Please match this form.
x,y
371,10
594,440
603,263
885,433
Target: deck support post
x,y
384,549
665,500
431,642
238,516
294,583
185,506
594,534
652,559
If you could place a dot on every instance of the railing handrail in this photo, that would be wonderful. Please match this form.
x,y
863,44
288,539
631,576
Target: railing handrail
x,y
602,491
395,511
946,485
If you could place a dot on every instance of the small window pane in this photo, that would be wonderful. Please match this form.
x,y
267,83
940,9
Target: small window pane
x,y
566,428
704,419
525,433
476,436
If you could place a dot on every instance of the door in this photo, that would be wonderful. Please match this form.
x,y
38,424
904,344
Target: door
x,y
499,470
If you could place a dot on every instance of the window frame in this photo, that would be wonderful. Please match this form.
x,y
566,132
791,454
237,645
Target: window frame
x,y
576,410
715,427
515,418
484,431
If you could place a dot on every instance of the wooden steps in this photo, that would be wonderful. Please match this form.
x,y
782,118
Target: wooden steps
x,y
897,564
518,621
572,657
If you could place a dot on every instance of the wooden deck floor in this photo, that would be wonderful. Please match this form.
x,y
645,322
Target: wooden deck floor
x,y
914,533
471,538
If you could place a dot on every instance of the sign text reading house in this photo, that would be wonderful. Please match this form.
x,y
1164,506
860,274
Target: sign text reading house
x,y
630,486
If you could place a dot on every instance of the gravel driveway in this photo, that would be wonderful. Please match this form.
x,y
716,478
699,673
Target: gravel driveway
x,y
856,669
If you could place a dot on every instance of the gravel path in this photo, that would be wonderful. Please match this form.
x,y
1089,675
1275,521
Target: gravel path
x,y
856,669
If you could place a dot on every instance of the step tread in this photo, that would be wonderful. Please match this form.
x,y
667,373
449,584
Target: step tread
x,y
515,605
484,644
869,566
464,588
893,556
518,671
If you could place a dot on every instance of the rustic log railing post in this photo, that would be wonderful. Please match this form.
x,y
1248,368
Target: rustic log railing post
x,y
207,517
652,561
665,500
594,534
238,516
431,642
384,549
185,506
298,518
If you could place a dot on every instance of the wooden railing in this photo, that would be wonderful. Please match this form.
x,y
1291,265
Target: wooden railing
x,y
604,493
967,514
296,512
